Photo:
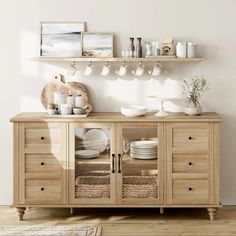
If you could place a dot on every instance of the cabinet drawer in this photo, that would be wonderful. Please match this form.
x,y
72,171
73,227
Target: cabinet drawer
x,y
190,140
40,138
190,163
190,191
42,163
43,191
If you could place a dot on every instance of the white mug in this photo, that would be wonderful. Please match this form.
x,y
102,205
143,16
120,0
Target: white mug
x,y
156,70
66,109
89,69
139,71
123,70
106,70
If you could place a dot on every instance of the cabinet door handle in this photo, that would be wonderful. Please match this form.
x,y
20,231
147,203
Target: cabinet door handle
x,y
42,138
190,163
42,163
113,163
190,189
119,160
190,138
42,189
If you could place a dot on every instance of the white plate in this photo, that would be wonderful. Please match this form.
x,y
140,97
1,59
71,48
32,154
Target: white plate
x,y
144,151
144,144
143,157
87,154
95,139
133,111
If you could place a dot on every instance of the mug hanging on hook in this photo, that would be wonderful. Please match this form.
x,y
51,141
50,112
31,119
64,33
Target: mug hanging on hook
x,y
72,69
89,69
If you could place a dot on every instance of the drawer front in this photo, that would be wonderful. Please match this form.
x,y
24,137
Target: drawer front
x,y
190,191
42,163
42,138
190,163
190,139
43,191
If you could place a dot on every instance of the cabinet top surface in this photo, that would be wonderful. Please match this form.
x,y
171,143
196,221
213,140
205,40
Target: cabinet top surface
x,y
116,117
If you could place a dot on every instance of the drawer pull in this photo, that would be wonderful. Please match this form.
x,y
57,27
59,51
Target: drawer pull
x,y
190,189
190,163
42,163
42,189
42,138
190,138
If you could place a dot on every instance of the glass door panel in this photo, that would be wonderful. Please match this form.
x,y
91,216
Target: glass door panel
x,y
138,163
92,149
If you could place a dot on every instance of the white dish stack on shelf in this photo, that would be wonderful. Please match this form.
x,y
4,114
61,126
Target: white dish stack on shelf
x,y
144,150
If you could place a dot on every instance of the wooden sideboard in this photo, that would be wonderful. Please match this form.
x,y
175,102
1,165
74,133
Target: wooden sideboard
x,y
185,170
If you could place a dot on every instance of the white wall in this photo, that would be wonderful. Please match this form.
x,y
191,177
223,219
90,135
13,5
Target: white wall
x,y
210,23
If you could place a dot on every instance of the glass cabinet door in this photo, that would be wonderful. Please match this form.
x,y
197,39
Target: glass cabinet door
x,y
91,164
139,163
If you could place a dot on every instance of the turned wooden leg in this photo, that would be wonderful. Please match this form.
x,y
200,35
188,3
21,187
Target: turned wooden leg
x,y
72,211
21,212
161,210
212,211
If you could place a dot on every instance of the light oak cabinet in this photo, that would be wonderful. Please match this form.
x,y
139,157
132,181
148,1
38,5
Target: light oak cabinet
x,y
51,171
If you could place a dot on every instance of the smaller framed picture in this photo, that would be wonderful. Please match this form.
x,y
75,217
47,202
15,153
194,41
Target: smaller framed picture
x,y
61,39
97,44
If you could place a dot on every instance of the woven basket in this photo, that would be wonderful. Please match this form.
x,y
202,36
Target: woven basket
x,y
92,187
137,187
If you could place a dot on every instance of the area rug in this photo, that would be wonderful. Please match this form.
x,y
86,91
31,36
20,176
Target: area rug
x,y
50,231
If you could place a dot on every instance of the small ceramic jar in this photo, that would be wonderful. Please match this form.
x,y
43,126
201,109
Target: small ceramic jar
x,y
66,109
181,50
192,50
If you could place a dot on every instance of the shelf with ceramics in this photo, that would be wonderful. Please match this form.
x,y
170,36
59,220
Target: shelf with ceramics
x,y
117,59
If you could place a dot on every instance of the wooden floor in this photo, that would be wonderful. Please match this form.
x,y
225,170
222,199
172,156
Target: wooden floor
x,y
135,222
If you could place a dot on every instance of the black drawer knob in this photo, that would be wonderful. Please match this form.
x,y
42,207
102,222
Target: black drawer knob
x,y
42,163
190,189
42,138
190,138
42,189
190,163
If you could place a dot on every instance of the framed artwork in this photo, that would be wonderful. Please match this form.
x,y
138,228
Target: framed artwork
x,y
61,39
97,44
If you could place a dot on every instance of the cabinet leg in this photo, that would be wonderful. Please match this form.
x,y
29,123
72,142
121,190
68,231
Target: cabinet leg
x,y
72,211
161,210
212,211
21,212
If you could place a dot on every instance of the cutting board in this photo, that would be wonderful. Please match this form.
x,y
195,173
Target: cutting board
x,y
57,83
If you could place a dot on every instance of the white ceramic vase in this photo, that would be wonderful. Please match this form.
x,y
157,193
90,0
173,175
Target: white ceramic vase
x,y
193,110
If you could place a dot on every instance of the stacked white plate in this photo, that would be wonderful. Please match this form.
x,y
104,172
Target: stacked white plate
x,y
144,150
86,154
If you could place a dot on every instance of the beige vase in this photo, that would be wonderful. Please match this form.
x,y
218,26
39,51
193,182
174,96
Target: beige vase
x,y
193,110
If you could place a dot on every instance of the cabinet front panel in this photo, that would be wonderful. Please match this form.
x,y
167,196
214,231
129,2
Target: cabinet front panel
x,y
190,139
42,191
43,163
92,174
190,191
139,163
190,163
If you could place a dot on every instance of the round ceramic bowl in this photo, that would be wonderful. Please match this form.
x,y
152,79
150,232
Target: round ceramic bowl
x,y
133,111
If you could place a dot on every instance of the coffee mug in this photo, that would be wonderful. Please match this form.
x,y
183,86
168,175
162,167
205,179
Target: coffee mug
x,y
123,70
89,69
139,71
66,109
156,70
106,69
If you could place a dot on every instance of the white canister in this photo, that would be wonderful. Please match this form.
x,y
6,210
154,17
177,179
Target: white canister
x,y
181,50
192,50
79,100
59,99
70,99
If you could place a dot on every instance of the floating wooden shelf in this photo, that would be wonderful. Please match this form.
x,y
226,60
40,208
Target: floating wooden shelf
x,y
116,59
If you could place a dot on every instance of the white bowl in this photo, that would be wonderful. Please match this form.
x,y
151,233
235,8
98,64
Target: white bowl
x,y
133,111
